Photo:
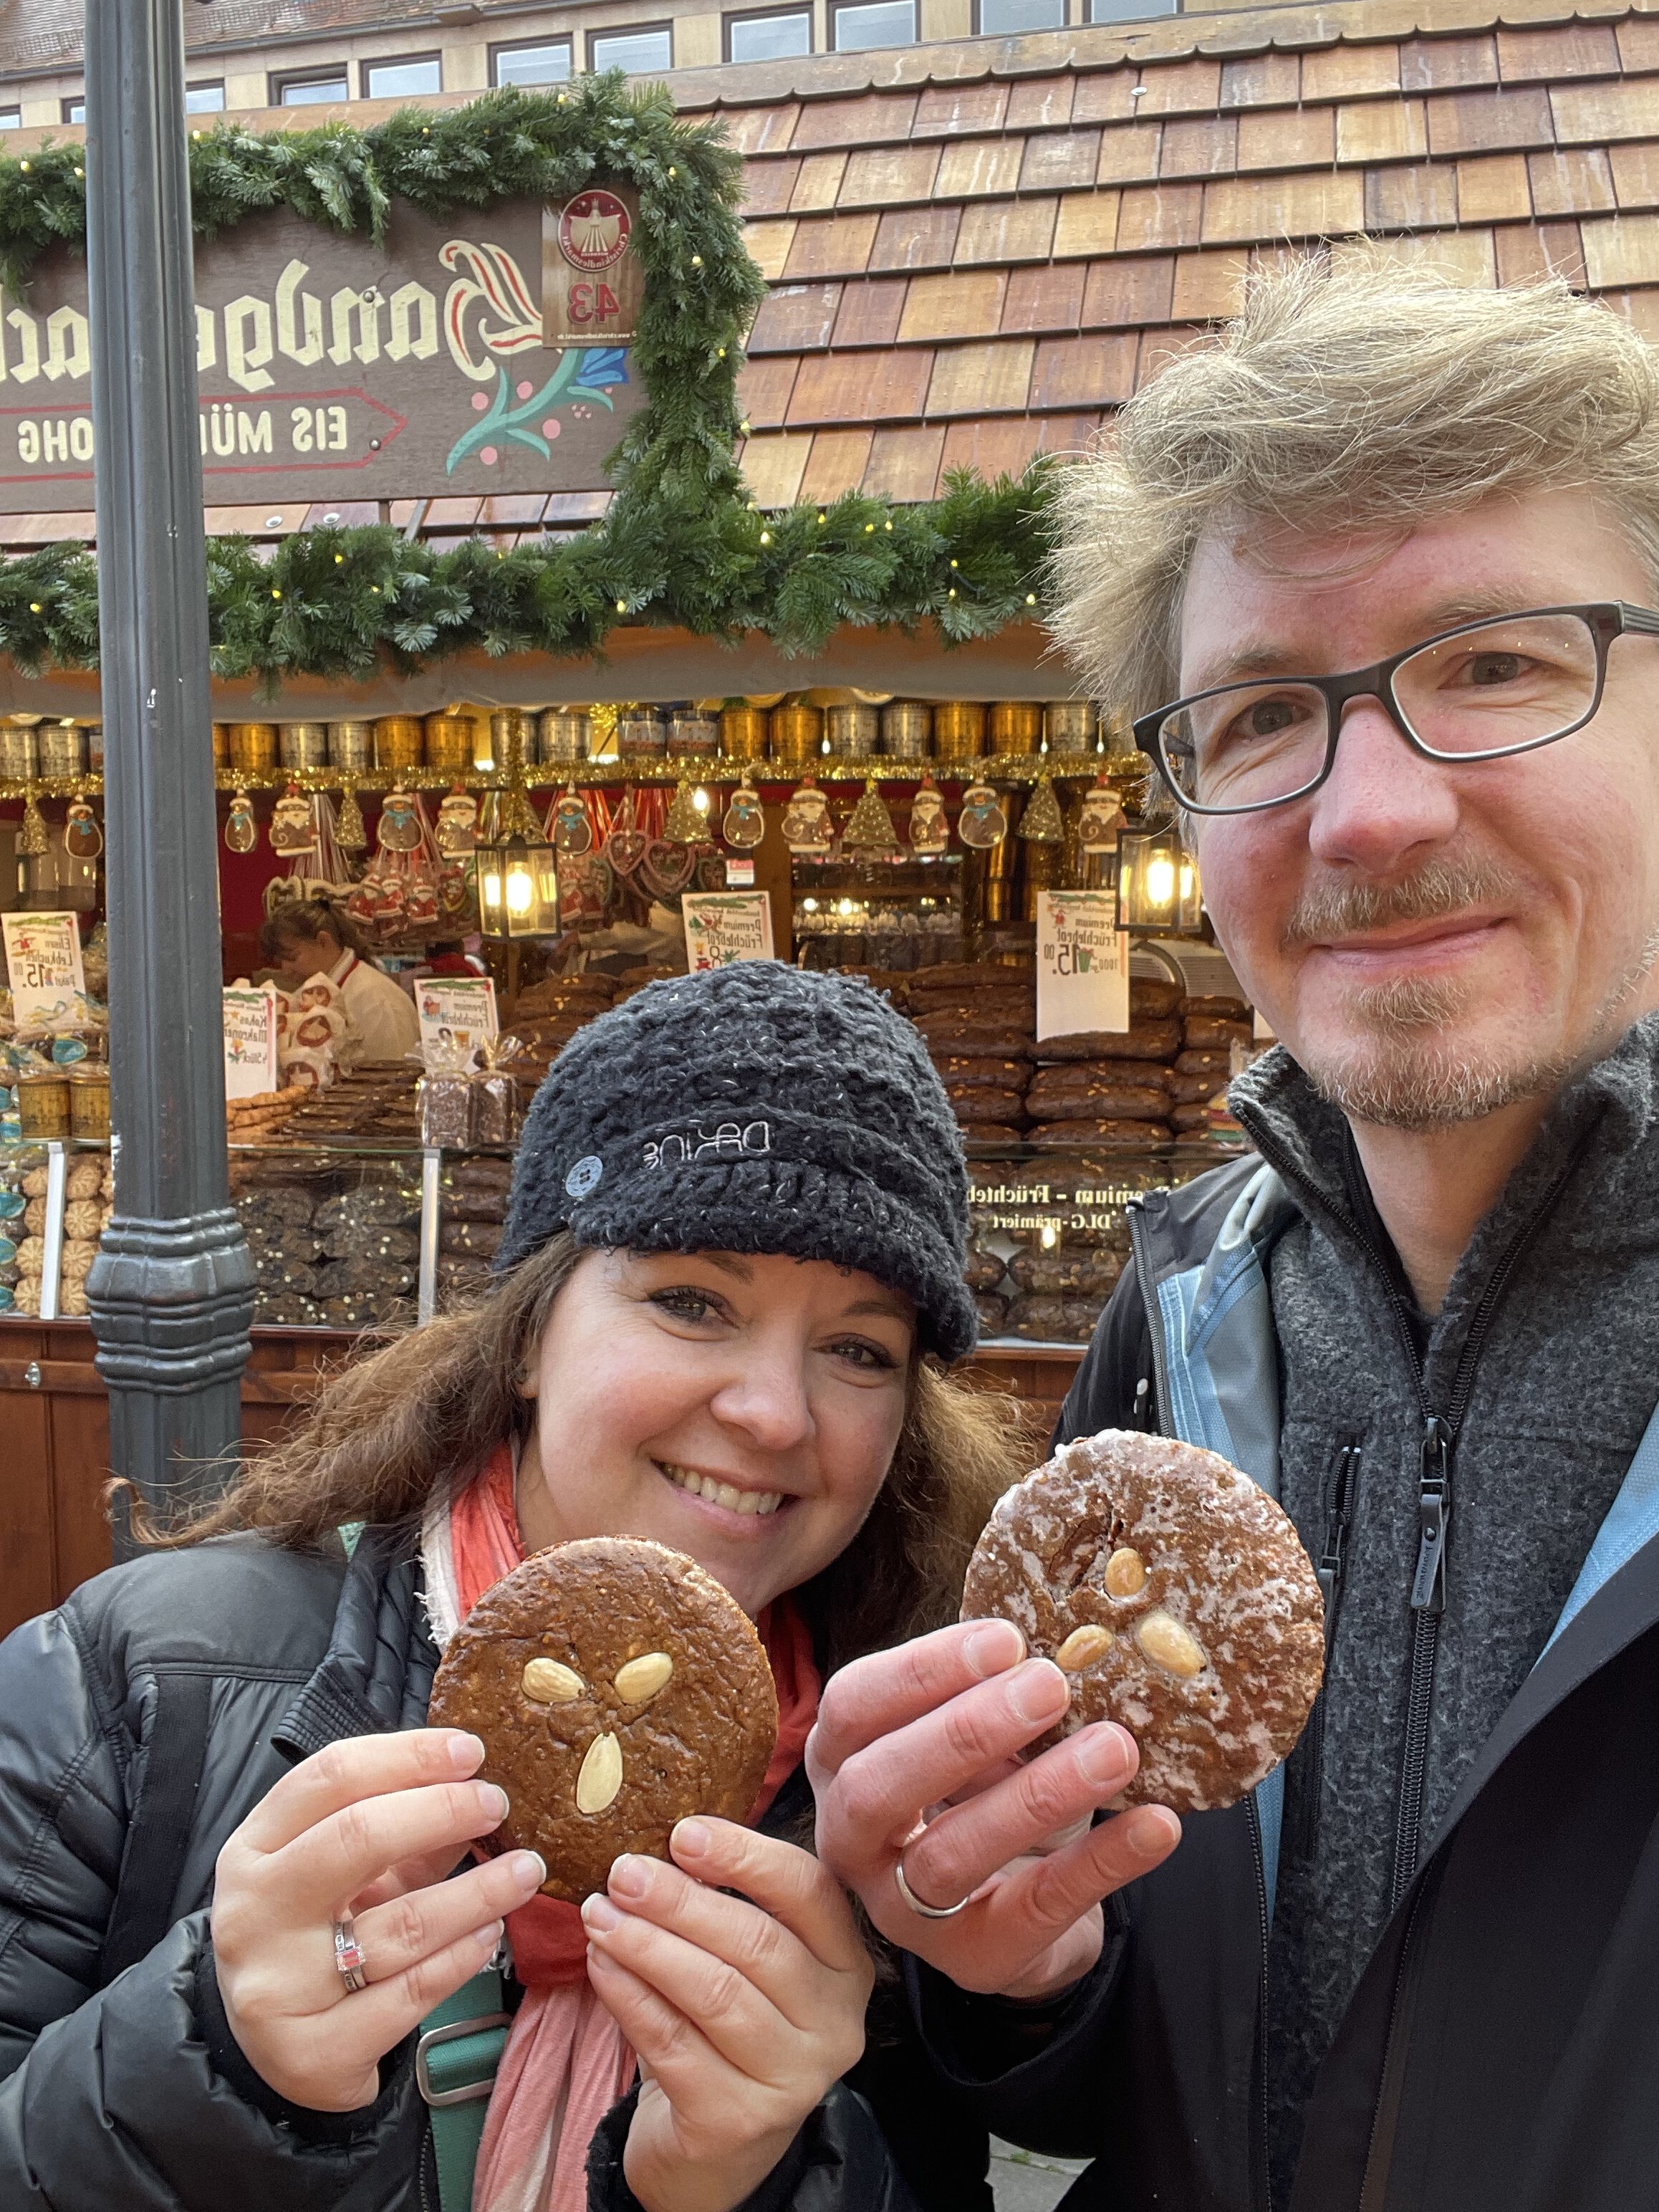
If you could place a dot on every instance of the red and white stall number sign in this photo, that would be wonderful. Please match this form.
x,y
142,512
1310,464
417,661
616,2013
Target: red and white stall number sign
x,y
592,282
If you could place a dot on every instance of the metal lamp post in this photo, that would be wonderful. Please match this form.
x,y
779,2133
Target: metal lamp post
x,y
171,1291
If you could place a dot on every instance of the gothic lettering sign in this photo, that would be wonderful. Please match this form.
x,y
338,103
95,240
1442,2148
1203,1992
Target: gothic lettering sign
x,y
591,279
333,369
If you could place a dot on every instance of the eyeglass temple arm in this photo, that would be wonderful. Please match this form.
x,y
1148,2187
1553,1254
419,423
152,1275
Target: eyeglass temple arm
x,y
1642,621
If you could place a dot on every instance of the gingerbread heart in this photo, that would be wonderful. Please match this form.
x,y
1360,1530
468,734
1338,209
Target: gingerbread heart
x,y
667,868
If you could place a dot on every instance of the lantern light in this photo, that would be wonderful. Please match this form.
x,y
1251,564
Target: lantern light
x,y
1157,885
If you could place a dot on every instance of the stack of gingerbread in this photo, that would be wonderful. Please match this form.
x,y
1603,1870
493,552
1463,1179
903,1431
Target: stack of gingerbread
x,y
978,1023
1109,1091
549,1014
474,1207
1211,1029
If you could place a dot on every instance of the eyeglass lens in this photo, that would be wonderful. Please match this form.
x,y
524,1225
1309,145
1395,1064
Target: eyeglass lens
x,y
1497,688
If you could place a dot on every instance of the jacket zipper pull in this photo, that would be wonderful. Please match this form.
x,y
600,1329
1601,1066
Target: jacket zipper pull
x,y
1433,1517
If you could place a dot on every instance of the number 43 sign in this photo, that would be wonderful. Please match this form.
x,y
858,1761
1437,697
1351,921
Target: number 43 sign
x,y
591,280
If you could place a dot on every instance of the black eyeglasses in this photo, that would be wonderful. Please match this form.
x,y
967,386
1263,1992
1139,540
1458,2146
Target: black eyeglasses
x,y
1475,693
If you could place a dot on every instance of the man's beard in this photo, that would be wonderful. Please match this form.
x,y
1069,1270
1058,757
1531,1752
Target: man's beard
x,y
1403,1066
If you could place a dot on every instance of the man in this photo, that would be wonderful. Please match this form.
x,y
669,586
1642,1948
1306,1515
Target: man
x,y
1419,1970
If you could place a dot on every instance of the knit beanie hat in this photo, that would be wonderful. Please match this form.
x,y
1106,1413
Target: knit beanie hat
x,y
755,1109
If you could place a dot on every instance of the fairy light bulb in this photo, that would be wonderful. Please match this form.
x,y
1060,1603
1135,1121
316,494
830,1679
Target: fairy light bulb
x,y
699,799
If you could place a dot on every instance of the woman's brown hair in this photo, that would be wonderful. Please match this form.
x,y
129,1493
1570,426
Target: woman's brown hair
x,y
302,921
415,1420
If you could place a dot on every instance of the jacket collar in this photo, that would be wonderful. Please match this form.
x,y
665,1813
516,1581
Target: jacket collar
x,y
376,1674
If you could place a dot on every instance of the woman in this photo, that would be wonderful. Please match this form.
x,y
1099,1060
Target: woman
x,y
314,937
736,1232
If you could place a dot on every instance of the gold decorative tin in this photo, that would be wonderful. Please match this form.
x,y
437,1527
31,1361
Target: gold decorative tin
x,y
43,1105
222,744
1016,726
744,733
797,734
452,742
302,744
564,734
1070,725
853,731
959,729
62,749
351,745
253,748
512,734
399,741
88,1104
20,756
907,730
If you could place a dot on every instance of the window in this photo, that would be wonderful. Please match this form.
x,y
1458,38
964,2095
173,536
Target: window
x,y
11,118
768,38
75,111
308,91
1124,11
410,73
547,63
997,18
205,99
874,23
639,52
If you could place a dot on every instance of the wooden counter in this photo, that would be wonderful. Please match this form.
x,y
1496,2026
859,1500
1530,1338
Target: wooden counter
x,y
54,1422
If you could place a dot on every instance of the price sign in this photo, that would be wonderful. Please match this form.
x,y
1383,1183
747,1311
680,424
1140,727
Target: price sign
x,y
250,1042
1083,964
722,926
43,966
457,1013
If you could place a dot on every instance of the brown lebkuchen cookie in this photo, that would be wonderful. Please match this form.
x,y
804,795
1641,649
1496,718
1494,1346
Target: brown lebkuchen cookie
x,y
618,1689
1176,1596
1150,1039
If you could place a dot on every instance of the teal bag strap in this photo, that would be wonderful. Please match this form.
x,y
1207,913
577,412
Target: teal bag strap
x,y
455,2061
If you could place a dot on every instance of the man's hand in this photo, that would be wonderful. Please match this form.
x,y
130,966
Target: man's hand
x,y
941,1721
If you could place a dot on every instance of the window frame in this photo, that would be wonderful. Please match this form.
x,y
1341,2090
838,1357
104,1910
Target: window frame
x,y
979,31
838,8
279,81
529,46
207,84
70,100
628,31
15,111
397,61
1148,15
765,15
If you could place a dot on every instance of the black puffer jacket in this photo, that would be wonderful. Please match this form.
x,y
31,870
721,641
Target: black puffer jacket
x,y
123,2090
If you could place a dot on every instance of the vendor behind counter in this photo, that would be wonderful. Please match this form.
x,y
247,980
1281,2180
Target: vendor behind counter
x,y
314,937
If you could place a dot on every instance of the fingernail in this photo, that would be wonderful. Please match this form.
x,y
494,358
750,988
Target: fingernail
x,y
630,1875
492,1801
529,1869
994,1648
599,1915
690,1839
1039,1692
1105,1756
465,1753
489,1938
1150,1827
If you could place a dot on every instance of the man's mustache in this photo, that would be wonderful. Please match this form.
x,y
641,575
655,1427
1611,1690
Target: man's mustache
x,y
1337,907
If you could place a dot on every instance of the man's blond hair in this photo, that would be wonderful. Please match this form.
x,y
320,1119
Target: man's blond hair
x,y
1370,399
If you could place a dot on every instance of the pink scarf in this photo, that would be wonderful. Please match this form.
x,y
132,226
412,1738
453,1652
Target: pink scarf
x,y
566,2063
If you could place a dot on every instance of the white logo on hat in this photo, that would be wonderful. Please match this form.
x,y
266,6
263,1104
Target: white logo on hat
x,y
584,1177
731,1141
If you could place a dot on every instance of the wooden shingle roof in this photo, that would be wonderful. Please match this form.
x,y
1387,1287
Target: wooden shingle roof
x,y
978,251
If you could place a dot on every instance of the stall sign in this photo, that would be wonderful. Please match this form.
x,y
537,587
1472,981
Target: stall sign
x,y
331,368
722,926
43,966
592,282
1083,963
457,1013
250,1042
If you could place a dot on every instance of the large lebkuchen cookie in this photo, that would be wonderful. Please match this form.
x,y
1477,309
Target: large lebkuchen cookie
x,y
1176,1594
617,1689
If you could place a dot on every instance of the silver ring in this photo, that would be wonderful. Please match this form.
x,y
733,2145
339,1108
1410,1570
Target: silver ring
x,y
349,1955
926,1912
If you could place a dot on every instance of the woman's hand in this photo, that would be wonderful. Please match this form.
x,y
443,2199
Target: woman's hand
x,y
743,2015
370,1826
939,1722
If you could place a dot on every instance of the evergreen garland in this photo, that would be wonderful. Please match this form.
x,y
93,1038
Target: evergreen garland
x,y
682,543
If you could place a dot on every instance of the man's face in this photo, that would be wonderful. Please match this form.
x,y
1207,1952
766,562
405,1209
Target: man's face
x,y
1433,942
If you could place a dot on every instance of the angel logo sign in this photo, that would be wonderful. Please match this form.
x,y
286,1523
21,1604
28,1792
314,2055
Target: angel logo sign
x,y
591,281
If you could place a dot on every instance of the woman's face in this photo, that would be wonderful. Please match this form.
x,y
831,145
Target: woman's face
x,y
309,957
743,1410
